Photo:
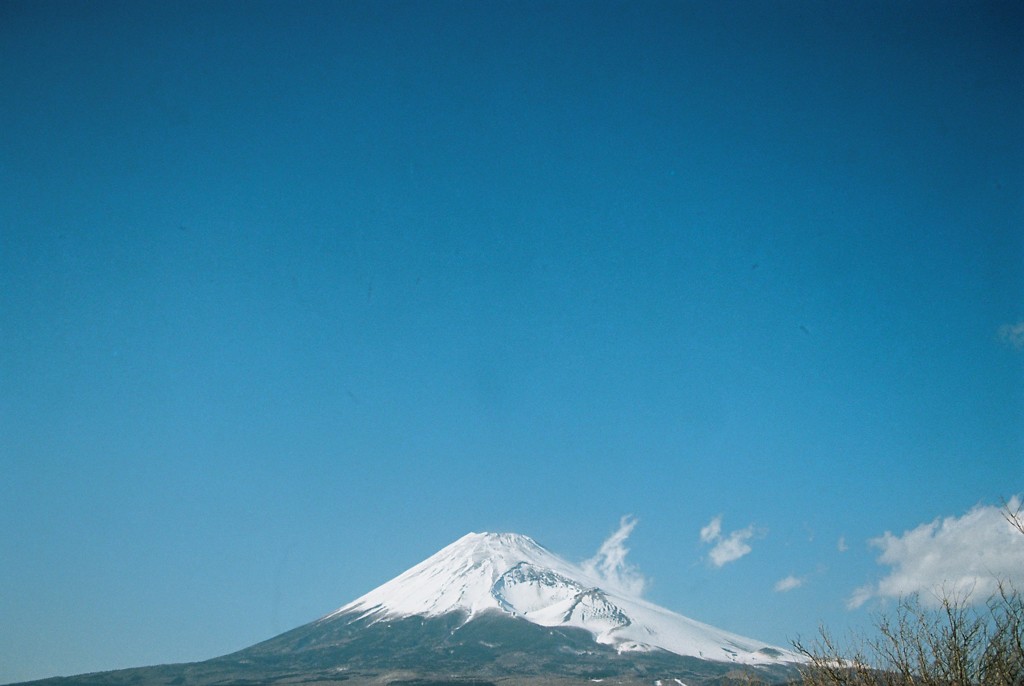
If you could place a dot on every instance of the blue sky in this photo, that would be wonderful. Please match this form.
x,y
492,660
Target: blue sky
x,y
293,295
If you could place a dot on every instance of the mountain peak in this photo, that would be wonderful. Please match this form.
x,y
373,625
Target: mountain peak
x,y
496,550
489,538
457,578
511,574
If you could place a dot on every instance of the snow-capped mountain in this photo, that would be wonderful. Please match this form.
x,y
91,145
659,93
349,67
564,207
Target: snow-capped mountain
x,y
488,610
512,574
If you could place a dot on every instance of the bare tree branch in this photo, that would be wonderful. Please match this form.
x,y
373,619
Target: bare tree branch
x,y
955,644
1014,515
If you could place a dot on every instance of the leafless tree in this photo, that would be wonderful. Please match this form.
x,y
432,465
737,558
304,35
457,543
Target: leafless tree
x,y
1013,511
952,644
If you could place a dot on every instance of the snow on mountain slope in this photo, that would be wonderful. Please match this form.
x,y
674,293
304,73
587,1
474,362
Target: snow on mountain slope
x,y
512,574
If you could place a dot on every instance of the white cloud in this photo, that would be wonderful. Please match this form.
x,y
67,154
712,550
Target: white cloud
x,y
964,557
1013,334
860,596
727,549
788,584
712,531
734,547
841,545
609,564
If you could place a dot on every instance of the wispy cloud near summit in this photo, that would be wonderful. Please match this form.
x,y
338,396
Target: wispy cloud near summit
x,y
609,564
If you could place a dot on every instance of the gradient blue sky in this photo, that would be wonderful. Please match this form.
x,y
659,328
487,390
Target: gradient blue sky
x,y
294,294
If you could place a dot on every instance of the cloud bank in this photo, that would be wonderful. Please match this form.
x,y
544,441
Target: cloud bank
x,y
728,548
609,564
961,557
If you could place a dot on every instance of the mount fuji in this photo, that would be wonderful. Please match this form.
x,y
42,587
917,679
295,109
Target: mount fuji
x,y
487,609
513,575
